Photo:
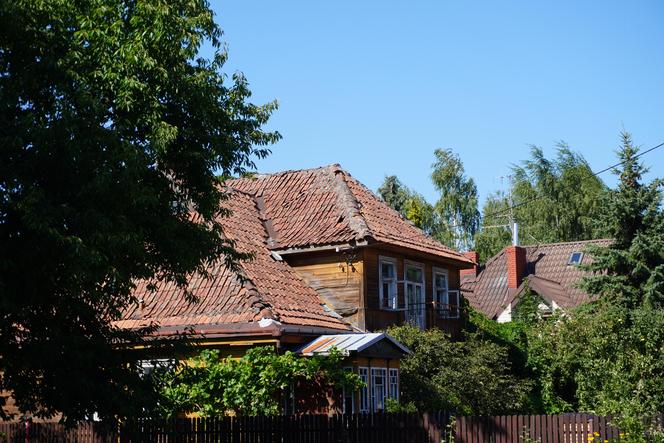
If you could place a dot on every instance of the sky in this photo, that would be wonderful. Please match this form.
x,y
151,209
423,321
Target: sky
x,y
377,86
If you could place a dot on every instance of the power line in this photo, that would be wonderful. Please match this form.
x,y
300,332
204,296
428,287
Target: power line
x,y
512,207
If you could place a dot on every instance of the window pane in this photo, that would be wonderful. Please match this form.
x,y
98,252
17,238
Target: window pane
x,y
441,280
454,298
364,392
387,270
394,384
378,388
414,274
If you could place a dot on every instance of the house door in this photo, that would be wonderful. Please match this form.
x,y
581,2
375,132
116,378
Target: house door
x,y
415,305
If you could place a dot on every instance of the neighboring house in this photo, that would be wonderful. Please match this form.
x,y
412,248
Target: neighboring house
x,y
550,270
330,259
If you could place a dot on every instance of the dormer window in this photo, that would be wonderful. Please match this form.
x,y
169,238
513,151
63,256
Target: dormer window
x,y
575,258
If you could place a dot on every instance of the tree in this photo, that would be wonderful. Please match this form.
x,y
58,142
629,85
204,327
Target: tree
x,y
608,356
630,271
563,195
409,204
454,219
553,200
494,233
112,132
457,205
471,378
252,385
394,193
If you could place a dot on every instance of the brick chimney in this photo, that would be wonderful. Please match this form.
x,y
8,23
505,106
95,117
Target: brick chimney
x,y
516,266
472,272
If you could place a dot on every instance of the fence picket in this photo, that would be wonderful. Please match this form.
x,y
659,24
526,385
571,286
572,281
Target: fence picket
x,y
428,427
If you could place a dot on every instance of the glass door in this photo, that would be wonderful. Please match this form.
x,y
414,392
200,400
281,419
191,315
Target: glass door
x,y
415,303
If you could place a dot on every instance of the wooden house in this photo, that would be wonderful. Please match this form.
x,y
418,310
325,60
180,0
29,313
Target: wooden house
x,y
329,259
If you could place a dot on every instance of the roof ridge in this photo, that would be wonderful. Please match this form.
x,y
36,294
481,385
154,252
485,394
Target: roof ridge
x,y
538,245
349,204
539,277
260,175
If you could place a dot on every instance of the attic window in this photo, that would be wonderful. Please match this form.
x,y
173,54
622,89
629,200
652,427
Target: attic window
x,y
575,258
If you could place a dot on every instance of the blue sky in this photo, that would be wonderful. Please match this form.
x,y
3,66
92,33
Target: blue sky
x,y
377,86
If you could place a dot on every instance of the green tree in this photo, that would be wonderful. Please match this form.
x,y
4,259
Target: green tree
x,y
252,385
608,356
113,129
630,271
494,233
409,204
394,193
457,205
554,200
472,377
561,197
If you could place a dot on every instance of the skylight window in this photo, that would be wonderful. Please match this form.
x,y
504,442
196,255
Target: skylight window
x,y
575,258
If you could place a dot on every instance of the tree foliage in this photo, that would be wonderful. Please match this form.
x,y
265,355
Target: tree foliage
x,y
494,233
112,132
554,200
454,219
608,356
409,204
630,271
252,385
457,205
472,377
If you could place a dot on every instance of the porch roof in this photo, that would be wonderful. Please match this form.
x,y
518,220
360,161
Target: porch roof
x,y
348,343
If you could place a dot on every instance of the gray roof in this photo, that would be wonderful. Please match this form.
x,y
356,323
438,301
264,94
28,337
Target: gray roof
x,y
347,343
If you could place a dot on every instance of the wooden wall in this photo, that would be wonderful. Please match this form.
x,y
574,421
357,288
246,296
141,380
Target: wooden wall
x,y
339,279
378,319
352,291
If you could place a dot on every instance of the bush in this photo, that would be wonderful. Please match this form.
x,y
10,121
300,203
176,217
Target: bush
x,y
468,378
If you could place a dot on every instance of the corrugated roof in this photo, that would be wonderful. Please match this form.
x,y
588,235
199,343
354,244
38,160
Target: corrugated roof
x,y
547,270
347,343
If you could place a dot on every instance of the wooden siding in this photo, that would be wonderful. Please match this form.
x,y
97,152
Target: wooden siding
x,y
338,277
378,319
352,291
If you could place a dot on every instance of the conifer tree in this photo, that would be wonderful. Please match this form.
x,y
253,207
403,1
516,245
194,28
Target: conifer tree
x,y
631,270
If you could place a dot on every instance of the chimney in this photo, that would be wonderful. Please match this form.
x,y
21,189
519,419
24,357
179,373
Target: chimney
x,y
516,265
472,272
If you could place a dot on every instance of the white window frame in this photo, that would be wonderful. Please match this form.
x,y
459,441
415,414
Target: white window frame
x,y
412,264
365,405
393,382
390,305
571,262
444,301
375,373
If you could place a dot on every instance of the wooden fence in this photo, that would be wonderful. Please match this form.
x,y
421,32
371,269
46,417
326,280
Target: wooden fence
x,y
567,428
389,428
86,432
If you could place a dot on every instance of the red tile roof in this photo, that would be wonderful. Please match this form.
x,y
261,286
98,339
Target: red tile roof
x,y
293,209
271,290
326,205
548,274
